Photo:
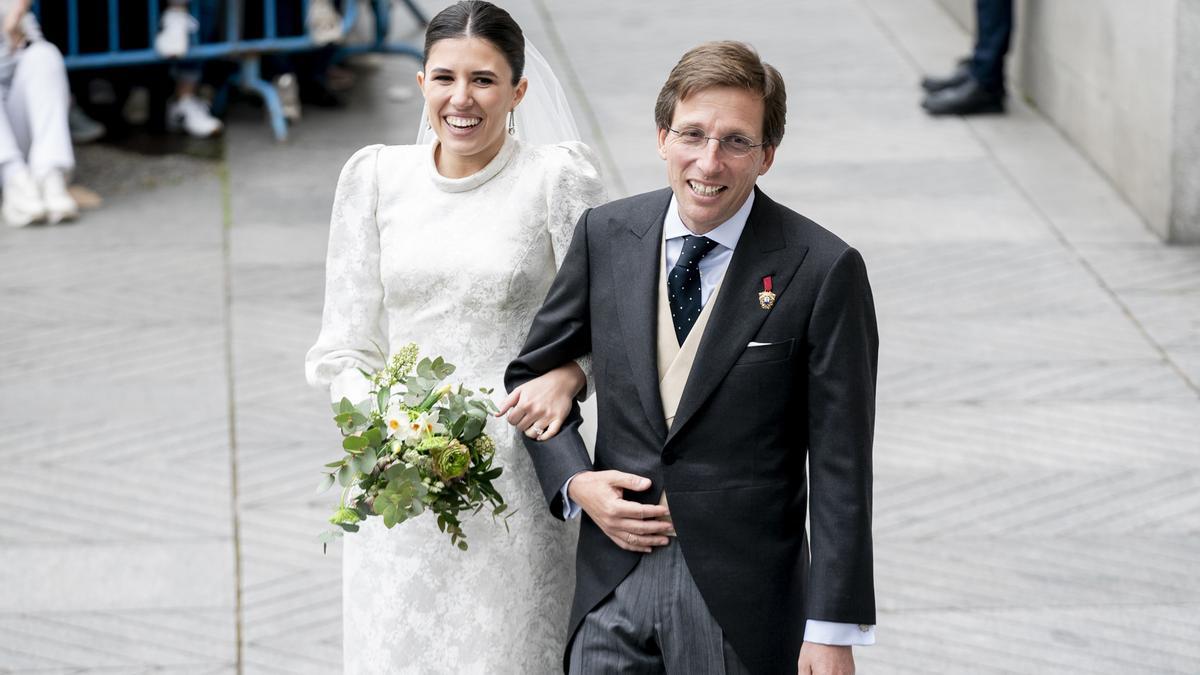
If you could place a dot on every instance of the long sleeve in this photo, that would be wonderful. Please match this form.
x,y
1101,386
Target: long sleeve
x,y
575,188
561,331
843,358
352,332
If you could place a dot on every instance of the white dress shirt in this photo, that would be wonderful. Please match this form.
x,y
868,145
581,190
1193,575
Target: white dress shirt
x,y
712,270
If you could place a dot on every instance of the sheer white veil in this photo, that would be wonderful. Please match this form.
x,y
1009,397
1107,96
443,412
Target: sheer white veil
x,y
543,116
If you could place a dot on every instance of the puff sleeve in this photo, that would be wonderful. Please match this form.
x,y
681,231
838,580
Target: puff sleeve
x,y
352,330
575,186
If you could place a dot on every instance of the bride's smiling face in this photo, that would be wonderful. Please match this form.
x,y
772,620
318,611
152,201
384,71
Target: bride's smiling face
x,y
469,90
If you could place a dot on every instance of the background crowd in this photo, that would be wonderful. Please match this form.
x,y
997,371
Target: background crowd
x,y
48,108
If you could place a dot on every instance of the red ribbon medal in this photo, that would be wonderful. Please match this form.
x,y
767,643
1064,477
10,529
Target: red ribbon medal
x,y
766,299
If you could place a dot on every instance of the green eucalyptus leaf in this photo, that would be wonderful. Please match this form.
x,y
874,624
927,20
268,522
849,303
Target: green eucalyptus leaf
x,y
353,443
366,461
374,436
345,475
326,483
472,429
425,369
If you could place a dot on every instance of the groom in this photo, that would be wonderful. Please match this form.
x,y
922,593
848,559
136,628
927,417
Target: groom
x,y
734,353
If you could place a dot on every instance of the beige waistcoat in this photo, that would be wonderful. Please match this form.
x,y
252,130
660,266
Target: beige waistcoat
x,y
675,360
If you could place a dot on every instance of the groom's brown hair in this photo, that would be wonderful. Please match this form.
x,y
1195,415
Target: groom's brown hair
x,y
725,64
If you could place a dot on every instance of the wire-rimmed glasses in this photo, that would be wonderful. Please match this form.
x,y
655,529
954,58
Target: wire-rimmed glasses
x,y
734,145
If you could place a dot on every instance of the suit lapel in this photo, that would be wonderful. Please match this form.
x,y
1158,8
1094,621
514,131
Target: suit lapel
x,y
736,318
635,276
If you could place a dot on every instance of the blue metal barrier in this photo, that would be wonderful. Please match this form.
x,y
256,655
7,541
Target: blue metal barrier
x,y
234,46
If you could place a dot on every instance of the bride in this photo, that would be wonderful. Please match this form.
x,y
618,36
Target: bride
x,y
453,245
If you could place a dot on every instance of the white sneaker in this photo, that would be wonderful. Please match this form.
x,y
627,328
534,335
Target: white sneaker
x,y
323,22
172,39
60,205
289,96
191,115
23,203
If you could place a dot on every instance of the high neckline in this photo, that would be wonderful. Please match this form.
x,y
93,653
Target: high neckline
x,y
476,179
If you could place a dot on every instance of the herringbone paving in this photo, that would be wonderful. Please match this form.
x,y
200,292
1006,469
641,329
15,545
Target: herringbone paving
x,y
1037,459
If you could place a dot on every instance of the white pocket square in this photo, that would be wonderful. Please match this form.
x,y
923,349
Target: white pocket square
x,y
761,344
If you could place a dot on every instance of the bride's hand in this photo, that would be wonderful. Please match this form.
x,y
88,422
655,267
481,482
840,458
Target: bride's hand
x,y
539,407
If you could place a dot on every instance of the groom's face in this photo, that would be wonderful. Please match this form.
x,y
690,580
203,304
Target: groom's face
x,y
710,184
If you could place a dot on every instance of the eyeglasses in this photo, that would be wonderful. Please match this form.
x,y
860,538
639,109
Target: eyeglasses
x,y
734,145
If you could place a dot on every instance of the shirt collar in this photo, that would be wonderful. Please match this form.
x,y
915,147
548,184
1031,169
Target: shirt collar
x,y
726,234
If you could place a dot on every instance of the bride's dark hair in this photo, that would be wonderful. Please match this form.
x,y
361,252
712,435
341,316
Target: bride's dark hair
x,y
477,18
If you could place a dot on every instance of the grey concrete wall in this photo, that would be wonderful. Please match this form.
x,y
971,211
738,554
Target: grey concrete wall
x,y
1119,79
1185,202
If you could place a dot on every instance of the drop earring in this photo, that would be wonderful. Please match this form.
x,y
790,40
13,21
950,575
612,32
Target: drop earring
x,y
512,123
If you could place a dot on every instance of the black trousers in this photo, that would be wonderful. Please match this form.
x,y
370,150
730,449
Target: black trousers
x,y
993,32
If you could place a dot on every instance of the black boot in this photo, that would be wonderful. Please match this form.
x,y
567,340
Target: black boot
x,y
962,70
968,98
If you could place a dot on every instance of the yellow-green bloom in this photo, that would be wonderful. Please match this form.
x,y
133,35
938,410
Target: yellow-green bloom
x,y
345,516
451,458
483,447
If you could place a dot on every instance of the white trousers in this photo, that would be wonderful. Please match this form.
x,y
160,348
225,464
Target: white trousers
x,y
33,117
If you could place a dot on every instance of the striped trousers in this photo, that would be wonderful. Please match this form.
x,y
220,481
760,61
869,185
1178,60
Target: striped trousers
x,y
654,622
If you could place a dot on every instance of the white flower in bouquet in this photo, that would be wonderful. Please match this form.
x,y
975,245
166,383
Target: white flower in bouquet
x,y
421,426
396,420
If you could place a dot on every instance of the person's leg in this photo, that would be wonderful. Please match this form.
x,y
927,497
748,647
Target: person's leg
x,y
11,154
188,113
692,641
994,25
23,203
40,102
37,109
175,29
618,635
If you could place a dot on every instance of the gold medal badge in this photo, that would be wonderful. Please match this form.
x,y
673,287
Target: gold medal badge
x,y
766,298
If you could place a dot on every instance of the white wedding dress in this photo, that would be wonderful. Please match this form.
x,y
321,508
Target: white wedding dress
x,y
459,266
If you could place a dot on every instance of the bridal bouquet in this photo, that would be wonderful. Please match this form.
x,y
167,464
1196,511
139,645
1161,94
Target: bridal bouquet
x,y
415,444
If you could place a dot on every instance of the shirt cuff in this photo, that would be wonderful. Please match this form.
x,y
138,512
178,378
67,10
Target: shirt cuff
x,y
840,634
570,508
589,387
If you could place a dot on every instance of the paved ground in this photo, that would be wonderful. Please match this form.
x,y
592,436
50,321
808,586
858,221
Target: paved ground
x,y
1038,457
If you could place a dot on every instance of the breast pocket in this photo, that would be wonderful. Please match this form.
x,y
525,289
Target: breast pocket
x,y
775,351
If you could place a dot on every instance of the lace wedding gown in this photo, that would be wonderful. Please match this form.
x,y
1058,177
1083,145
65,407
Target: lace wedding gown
x,y
459,266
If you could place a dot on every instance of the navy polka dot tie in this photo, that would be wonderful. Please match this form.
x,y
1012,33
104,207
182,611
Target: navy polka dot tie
x,y
683,284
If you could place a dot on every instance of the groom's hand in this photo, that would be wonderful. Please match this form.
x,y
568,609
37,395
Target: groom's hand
x,y
628,524
819,659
